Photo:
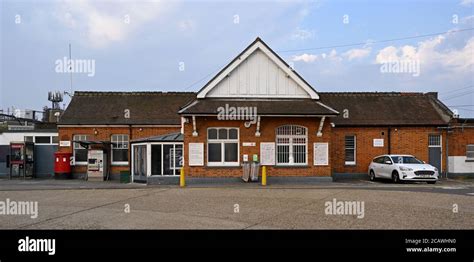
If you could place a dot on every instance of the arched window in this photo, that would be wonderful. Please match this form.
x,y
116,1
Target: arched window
x,y
291,145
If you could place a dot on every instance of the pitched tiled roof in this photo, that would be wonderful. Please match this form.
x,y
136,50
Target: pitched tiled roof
x,y
107,108
161,108
277,107
387,108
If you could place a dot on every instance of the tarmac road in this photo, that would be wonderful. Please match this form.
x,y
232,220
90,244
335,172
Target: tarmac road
x,y
86,205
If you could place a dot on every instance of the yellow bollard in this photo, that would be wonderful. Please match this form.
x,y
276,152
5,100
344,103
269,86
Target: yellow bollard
x,y
182,182
264,175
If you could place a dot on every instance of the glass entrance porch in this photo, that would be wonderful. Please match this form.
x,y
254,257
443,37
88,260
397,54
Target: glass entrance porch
x,y
157,156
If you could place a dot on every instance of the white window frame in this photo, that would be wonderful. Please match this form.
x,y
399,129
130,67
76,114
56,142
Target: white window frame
x,y
469,151
121,141
176,169
74,147
51,142
290,144
350,163
223,163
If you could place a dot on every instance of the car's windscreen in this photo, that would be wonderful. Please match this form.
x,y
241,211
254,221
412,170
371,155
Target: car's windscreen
x,y
406,160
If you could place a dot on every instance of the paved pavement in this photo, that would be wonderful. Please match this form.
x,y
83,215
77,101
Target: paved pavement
x,y
87,205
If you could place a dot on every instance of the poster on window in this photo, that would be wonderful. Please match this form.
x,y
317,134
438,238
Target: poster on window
x,y
321,154
196,154
267,154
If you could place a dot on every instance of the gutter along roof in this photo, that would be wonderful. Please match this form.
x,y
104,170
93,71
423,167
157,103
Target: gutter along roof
x,y
267,107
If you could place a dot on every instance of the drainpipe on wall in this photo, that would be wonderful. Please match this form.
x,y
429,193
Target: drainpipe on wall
x,y
447,153
448,129
129,149
389,142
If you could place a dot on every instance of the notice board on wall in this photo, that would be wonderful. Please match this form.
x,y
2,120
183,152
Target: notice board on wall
x,y
321,154
196,154
267,153
378,142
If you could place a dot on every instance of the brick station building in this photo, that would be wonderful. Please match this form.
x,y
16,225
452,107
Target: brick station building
x,y
259,108
117,118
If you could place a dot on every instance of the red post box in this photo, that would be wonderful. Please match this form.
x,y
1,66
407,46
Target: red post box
x,y
62,165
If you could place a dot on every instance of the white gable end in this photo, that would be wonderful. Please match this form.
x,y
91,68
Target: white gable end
x,y
258,74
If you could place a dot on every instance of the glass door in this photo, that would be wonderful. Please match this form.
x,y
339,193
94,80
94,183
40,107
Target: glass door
x,y
172,159
139,163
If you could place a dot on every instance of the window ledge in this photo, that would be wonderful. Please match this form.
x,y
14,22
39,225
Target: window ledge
x,y
291,166
238,166
469,160
119,164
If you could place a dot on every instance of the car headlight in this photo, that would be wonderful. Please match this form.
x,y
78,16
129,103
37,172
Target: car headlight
x,y
403,168
436,169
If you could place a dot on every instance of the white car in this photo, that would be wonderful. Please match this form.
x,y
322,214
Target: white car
x,y
402,168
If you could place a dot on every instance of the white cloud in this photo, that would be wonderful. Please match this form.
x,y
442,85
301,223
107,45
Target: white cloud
x,y
303,12
102,23
187,25
467,19
333,56
357,53
431,55
467,2
302,34
307,58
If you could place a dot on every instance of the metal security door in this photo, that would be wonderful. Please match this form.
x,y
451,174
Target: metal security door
x,y
434,151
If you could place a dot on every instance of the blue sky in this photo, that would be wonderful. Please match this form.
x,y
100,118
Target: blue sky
x,y
171,45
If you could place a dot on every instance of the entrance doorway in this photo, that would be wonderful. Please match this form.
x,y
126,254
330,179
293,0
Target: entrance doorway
x,y
167,159
139,167
160,156
434,151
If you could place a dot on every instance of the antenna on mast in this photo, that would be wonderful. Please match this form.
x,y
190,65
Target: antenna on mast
x,y
55,97
70,66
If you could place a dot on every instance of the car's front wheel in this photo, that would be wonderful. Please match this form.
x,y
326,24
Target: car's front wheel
x,y
372,175
395,177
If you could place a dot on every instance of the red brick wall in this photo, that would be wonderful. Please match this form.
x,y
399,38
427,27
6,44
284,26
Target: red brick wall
x,y
104,134
459,139
365,152
267,130
404,140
